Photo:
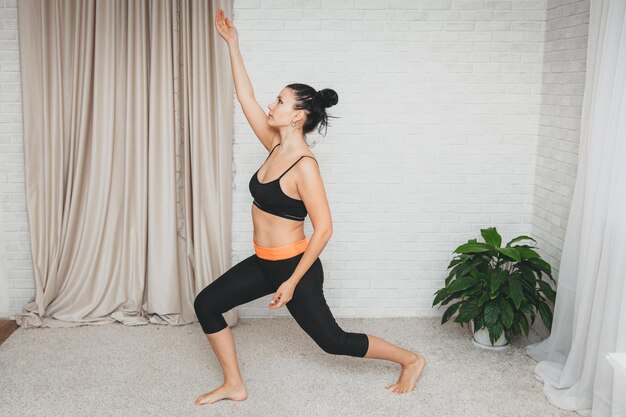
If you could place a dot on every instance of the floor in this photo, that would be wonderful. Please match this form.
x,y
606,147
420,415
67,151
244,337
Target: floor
x,y
158,370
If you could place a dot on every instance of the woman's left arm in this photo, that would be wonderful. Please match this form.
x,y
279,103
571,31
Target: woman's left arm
x,y
313,194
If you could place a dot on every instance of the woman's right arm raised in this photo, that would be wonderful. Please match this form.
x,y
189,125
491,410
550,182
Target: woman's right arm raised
x,y
245,94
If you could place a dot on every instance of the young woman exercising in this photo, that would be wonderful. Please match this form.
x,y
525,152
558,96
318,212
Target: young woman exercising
x,y
285,262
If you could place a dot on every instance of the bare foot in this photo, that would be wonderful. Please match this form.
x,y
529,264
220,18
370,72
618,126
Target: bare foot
x,y
408,376
230,392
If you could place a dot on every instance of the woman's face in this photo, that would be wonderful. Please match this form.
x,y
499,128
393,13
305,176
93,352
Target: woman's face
x,y
281,112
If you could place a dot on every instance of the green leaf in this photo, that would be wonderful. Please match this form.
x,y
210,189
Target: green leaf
x,y
541,264
498,276
456,260
495,331
472,247
515,290
462,283
463,269
467,311
484,298
524,323
516,328
492,311
506,313
453,296
508,333
527,253
525,308
528,276
441,294
472,291
547,290
450,311
546,315
491,236
483,277
512,253
479,322
517,239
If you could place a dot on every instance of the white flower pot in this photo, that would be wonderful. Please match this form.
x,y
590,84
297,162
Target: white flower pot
x,y
481,339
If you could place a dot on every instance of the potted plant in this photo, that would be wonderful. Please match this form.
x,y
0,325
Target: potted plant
x,y
496,288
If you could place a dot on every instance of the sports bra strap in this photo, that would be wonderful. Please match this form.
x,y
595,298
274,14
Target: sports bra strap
x,y
268,156
297,162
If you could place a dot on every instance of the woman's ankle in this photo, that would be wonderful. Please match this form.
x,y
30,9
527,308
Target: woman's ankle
x,y
233,383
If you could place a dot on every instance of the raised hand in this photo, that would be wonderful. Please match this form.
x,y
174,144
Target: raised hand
x,y
225,27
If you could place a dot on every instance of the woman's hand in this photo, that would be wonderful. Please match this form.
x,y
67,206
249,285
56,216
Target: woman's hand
x,y
284,293
225,27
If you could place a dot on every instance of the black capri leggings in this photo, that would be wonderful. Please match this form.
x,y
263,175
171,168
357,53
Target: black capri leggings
x,y
255,277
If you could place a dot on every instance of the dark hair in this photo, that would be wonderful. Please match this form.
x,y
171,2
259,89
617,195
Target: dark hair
x,y
315,104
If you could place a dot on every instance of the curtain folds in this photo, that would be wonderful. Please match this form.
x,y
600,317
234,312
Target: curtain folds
x,y
128,156
590,309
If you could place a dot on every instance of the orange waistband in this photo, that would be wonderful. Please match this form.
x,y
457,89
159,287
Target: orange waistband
x,y
281,252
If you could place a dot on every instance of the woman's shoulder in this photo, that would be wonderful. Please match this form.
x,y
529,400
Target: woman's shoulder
x,y
308,154
307,162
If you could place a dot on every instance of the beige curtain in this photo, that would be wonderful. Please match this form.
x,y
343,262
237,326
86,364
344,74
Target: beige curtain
x,y
128,153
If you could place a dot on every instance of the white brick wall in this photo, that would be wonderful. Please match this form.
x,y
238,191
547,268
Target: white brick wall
x,y
441,106
565,57
439,109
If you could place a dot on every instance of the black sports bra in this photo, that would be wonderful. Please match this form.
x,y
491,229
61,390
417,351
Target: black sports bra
x,y
270,198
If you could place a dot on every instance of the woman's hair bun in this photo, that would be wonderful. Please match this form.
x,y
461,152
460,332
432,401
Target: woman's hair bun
x,y
314,103
327,97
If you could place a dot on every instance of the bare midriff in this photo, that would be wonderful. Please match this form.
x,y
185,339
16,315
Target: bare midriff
x,y
273,231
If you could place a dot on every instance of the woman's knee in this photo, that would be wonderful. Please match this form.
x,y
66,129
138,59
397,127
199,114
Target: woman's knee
x,y
344,343
203,298
208,312
332,343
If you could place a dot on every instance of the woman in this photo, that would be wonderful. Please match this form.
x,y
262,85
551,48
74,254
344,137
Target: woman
x,y
285,189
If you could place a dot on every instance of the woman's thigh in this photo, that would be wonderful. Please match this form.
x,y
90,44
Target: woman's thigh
x,y
309,308
242,283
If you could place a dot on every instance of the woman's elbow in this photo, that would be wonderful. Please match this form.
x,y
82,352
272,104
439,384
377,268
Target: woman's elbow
x,y
325,231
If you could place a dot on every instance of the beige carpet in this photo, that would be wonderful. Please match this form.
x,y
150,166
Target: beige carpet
x,y
116,370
